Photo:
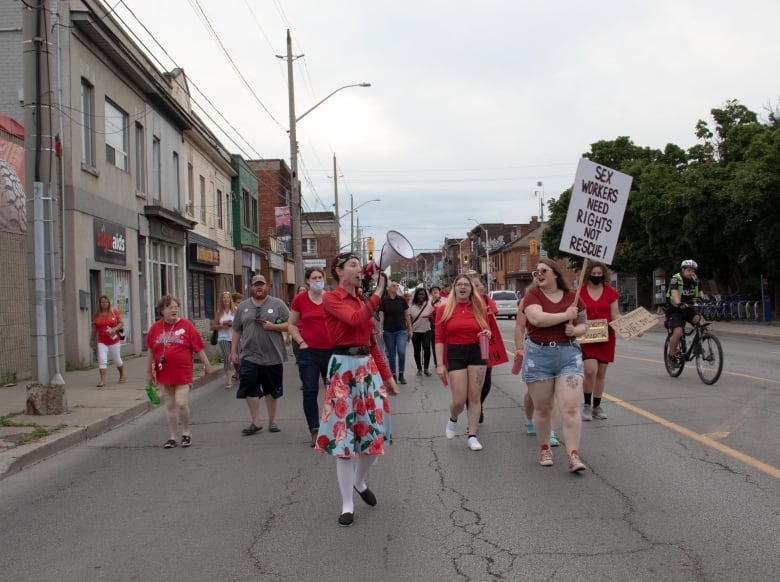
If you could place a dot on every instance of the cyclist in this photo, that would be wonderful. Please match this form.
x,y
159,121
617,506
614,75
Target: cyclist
x,y
683,292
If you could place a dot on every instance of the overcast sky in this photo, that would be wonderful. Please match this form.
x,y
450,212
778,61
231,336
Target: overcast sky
x,y
472,103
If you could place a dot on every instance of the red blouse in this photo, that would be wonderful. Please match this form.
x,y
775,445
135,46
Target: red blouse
x,y
103,321
350,322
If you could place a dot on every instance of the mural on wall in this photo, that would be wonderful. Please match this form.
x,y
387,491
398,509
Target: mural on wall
x,y
13,213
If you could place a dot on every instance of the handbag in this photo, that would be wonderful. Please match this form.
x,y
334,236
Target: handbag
x,y
214,336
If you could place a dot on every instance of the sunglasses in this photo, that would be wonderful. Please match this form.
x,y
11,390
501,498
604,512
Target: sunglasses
x,y
541,272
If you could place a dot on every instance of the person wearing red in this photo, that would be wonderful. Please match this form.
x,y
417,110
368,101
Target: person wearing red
x,y
306,329
552,366
171,341
491,310
355,422
601,302
459,323
106,327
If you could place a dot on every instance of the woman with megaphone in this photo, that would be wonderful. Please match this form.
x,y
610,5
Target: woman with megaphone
x,y
355,422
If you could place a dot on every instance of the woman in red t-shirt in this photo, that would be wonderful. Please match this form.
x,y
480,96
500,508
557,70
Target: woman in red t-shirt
x,y
105,330
306,329
171,341
459,323
552,366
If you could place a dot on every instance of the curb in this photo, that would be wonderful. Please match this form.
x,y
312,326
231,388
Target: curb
x,y
31,453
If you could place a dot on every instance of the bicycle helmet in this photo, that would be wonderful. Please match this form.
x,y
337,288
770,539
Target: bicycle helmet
x,y
689,264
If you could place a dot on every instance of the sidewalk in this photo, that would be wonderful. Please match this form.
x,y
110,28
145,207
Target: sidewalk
x,y
93,411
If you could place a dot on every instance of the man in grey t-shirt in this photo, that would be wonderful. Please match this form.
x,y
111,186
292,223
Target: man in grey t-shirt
x,y
258,326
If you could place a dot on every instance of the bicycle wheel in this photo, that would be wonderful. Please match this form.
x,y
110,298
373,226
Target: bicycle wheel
x,y
672,367
709,358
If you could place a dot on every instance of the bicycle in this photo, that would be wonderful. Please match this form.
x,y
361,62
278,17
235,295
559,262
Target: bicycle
x,y
698,344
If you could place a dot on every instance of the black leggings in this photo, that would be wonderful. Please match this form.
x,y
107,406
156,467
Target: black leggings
x,y
422,341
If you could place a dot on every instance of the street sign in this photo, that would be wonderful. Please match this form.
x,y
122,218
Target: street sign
x,y
598,203
321,263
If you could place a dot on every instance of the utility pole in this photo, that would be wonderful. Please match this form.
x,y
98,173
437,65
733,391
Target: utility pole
x,y
40,159
295,202
336,196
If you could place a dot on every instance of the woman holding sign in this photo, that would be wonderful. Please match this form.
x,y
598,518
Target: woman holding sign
x,y
601,302
552,366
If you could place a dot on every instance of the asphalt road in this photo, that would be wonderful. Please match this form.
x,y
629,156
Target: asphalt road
x,y
679,487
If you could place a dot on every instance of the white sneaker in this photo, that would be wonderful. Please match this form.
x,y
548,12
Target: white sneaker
x,y
587,412
598,413
451,430
474,444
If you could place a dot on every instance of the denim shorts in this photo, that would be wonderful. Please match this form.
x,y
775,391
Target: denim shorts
x,y
548,362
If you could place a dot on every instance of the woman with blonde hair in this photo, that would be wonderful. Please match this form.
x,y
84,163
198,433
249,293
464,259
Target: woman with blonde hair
x,y
106,327
459,323
223,323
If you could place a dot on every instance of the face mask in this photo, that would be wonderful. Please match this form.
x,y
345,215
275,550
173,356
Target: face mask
x,y
596,279
317,286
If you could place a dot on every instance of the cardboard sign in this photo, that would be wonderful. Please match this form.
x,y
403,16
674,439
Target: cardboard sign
x,y
598,202
598,331
634,323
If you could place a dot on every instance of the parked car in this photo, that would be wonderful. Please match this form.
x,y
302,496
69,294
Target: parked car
x,y
506,303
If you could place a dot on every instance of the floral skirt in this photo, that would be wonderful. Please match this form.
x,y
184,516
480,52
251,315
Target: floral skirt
x,y
356,412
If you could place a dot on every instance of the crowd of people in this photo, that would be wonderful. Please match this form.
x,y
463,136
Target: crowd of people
x,y
353,344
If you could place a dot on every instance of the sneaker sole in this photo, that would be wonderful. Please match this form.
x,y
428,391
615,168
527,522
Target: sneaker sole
x,y
577,468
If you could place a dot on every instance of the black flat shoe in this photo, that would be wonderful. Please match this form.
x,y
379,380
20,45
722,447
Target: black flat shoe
x,y
367,495
345,519
251,429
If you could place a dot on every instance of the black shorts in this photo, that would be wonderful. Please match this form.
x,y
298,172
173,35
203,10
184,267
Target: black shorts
x,y
678,317
461,356
256,381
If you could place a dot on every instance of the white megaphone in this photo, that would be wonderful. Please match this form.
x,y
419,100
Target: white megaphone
x,y
395,249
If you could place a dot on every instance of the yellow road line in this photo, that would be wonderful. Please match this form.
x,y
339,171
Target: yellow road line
x,y
725,372
705,440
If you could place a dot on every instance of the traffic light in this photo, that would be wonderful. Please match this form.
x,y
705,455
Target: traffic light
x,y
533,247
370,255
465,259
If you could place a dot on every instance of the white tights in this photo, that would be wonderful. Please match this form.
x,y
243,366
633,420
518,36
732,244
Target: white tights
x,y
351,474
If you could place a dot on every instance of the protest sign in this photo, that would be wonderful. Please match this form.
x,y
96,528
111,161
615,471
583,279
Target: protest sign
x,y
597,332
598,202
633,323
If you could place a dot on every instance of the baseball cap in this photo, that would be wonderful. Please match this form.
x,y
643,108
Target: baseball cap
x,y
258,278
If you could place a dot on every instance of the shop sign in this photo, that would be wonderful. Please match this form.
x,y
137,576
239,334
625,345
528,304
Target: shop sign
x,y
110,242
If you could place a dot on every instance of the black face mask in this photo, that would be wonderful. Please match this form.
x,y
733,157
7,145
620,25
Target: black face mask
x,y
596,279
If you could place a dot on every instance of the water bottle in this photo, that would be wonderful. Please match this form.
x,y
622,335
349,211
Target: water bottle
x,y
518,363
278,320
151,392
111,334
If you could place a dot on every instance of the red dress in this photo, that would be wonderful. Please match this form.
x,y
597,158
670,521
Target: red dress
x,y
600,309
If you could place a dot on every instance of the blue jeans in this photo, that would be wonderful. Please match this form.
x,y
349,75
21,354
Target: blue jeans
x,y
312,365
395,343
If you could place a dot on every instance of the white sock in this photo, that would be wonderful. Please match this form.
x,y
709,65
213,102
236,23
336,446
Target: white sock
x,y
364,463
345,472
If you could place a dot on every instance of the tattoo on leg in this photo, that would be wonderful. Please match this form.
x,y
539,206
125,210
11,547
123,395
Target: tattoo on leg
x,y
571,382
480,377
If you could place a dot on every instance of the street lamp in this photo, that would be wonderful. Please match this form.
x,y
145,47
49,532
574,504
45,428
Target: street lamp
x,y
541,216
487,251
352,211
295,194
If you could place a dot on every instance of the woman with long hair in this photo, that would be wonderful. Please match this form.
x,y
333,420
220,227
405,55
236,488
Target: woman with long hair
x,y
171,342
421,313
223,323
552,366
106,327
459,323
306,329
356,413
